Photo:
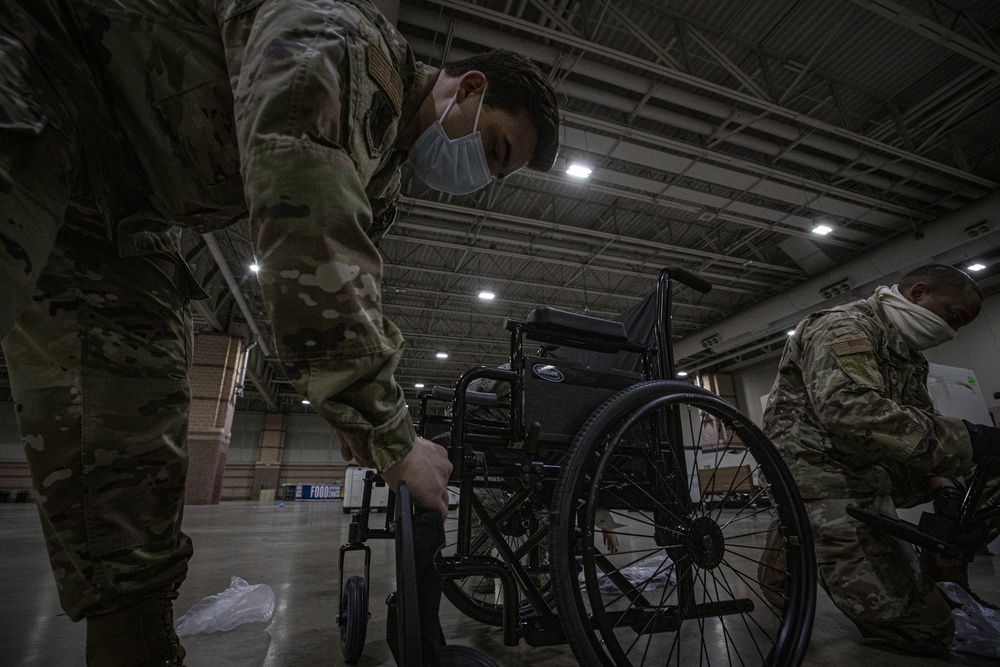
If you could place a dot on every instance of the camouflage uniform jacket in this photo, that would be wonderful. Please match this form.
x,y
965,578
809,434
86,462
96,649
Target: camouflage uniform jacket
x,y
850,411
197,112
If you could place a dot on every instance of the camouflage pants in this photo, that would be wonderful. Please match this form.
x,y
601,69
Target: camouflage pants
x,y
98,368
97,348
875,580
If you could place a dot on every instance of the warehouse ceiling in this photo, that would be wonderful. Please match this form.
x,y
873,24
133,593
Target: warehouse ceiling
x,y
720,134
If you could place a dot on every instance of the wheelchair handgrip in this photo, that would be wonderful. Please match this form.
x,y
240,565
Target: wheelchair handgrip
x,y
690,278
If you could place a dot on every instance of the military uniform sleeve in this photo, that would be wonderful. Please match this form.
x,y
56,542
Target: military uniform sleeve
x,y
309,214
847,391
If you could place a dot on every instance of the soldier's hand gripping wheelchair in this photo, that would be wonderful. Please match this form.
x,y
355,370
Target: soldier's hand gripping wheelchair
x,y
949,536
594,436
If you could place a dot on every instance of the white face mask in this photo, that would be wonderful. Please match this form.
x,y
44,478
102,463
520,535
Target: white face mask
x,y
919,327
456,166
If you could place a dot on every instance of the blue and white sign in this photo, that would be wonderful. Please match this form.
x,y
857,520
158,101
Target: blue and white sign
x,y
317,491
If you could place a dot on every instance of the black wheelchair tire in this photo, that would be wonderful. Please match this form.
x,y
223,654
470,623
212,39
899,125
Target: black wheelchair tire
x,y
353,619
454,655
407,605
591,634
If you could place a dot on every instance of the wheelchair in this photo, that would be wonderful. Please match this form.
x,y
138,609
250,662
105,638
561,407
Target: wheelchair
x,y
580,518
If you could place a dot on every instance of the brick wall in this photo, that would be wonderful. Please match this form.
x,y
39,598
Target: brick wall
x,y
312,474
217,361
214,373
14,477
237,482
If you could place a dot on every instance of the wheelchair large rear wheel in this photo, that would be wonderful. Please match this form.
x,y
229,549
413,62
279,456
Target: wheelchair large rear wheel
x,y
715,563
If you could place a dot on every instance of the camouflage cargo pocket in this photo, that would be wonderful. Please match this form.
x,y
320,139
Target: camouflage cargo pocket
x,y
199,125
134,461
135,329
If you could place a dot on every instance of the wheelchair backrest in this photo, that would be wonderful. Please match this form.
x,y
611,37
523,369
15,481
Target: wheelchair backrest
x,y
640,324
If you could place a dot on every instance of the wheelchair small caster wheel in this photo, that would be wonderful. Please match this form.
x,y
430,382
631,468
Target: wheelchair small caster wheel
x,y
353,619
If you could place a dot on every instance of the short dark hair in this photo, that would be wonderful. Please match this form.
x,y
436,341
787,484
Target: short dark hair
x,y
515,83
940,276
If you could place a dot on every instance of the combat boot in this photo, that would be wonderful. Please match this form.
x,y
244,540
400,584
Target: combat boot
x,y
954,570
138,636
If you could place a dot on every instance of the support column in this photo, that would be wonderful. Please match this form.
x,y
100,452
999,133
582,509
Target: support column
x,y
214,374
267,470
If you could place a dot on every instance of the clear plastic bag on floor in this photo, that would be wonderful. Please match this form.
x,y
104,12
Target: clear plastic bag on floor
x,y
977,628
240,603
652,572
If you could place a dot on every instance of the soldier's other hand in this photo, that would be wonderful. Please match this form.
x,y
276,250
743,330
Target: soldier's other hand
x,y
345,446
948,501
425,470
985,443
610,541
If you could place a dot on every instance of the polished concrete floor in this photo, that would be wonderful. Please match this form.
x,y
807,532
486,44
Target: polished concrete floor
x,y
294,549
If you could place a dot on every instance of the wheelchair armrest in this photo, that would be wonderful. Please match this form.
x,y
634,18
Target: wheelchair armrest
x,y
557,321
471,397
545,349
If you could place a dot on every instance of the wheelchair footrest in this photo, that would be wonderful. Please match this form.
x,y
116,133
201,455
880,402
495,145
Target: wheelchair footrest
x,y
668,618
545,631
932,533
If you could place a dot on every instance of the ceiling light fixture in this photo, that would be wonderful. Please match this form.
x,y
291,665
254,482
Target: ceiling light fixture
x,y
486,295
822,230
441,355
682,374
976,267
255,267
791,332
577,170
419,385
305,401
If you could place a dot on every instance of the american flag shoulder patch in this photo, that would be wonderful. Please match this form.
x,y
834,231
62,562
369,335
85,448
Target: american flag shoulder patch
x,y
852,346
